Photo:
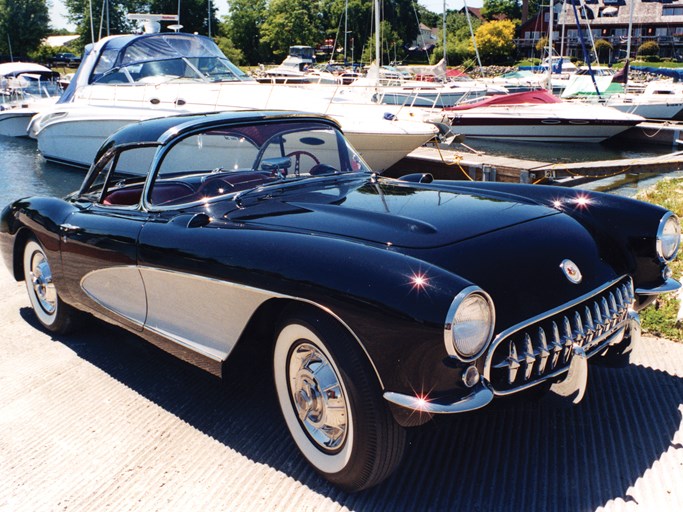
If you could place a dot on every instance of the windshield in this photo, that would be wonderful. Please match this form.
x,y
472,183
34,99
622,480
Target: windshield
x,y
220,161
161,57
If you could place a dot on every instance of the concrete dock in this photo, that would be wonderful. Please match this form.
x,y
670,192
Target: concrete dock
x,y
100,420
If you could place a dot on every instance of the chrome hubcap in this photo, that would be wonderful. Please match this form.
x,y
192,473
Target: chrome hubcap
x,y
43,287
318,397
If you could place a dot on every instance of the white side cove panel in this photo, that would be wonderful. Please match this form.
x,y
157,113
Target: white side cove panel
x,y
120,290
205,315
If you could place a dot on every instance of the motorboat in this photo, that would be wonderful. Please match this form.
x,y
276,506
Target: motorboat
x,y
658,100
25,88
649,107
394,86
297,68
134,77
538,116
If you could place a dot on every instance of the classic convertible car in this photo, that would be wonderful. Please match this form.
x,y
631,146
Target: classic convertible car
x,y
386,301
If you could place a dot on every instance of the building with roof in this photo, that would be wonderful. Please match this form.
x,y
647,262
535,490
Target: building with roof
x,y
653,20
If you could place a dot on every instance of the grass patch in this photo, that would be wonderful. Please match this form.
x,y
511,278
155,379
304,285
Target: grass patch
x,y
660,318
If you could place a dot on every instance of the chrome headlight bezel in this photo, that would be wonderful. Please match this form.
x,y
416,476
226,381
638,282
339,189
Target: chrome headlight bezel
x,y
668,243
451,341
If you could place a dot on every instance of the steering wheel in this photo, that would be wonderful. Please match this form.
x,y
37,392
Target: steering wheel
x,y
297,160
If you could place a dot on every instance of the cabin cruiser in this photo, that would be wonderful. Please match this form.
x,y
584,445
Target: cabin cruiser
x,y
25,88
127,78
538,116
395,86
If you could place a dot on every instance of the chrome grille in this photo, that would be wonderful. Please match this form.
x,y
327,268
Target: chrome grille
x,y
542,348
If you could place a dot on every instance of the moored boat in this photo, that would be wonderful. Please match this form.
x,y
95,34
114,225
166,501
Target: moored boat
x,y
538,116
25,88
158,74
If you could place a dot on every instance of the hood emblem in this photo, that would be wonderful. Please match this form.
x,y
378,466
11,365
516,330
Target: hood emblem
x,y
571,271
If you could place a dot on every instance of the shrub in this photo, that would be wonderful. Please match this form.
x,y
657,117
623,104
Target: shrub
x,y
648,48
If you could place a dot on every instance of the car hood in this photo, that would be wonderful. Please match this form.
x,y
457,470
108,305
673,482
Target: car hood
x,y
389,212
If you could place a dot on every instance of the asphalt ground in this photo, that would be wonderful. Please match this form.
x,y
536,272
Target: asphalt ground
x,y
100,420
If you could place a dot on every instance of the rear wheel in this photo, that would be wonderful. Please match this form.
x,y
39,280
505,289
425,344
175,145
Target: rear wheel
x,y
332,405
53,314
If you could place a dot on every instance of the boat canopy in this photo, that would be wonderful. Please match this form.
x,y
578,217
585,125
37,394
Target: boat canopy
x,y
124,51
127,59
518,98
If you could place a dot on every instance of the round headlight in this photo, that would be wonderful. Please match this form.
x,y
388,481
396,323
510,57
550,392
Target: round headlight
x,y
668,237
469,325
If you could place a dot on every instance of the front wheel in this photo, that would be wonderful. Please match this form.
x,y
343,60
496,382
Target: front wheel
x,y
53,314
331,403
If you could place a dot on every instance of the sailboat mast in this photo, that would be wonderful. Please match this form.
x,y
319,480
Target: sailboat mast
x,y
445,53
550,47
630,30
474,39
377,45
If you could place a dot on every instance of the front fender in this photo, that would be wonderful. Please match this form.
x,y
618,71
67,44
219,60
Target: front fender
x,y
395,305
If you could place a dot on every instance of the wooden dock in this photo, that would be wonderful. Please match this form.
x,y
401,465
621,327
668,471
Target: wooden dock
x,y
465,165
666,133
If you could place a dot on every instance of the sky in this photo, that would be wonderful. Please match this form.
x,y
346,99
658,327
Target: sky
x,y
58,14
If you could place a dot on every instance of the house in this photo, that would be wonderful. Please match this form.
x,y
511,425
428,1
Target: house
x,y
653,20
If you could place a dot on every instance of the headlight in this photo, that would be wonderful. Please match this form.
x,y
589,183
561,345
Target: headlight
x,y
668,237
469,324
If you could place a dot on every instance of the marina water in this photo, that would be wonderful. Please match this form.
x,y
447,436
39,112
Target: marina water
x,y
24,172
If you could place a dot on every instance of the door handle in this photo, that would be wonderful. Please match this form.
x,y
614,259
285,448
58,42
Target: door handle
x,y
66,229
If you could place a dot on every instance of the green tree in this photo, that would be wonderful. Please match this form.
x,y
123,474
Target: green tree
x,y
243,25
289,23
23,24
458,39
358,25
110,21
603,49
511,9
228,48
194,14
495,41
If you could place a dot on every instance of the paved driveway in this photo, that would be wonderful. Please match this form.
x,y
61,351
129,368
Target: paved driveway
x,y
100,420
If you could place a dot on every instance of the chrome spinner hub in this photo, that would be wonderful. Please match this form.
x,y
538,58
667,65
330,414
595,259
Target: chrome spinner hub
x,y
318,397
41,279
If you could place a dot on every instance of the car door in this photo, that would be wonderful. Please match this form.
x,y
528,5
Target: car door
x,y
99,240
183,250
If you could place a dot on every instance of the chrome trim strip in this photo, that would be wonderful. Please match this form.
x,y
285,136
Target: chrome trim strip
x,y
214,355
480,396
546,314
671,285
448,323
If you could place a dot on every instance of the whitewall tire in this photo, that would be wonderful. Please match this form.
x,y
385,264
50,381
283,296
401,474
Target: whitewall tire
x,y
331,403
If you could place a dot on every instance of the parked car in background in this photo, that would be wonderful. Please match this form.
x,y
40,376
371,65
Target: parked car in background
x,y
67,59
380,302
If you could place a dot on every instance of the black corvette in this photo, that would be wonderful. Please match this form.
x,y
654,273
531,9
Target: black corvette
x,y
386,301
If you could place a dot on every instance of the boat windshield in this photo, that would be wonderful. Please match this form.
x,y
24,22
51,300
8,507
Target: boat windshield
x,y
161,57
28,87
205,69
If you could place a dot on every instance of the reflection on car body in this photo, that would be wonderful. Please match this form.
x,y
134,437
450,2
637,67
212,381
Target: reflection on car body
x,y
386,301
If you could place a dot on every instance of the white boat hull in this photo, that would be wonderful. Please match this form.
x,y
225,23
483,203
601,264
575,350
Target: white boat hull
x,y
650,110
568,122
14,122
381,143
